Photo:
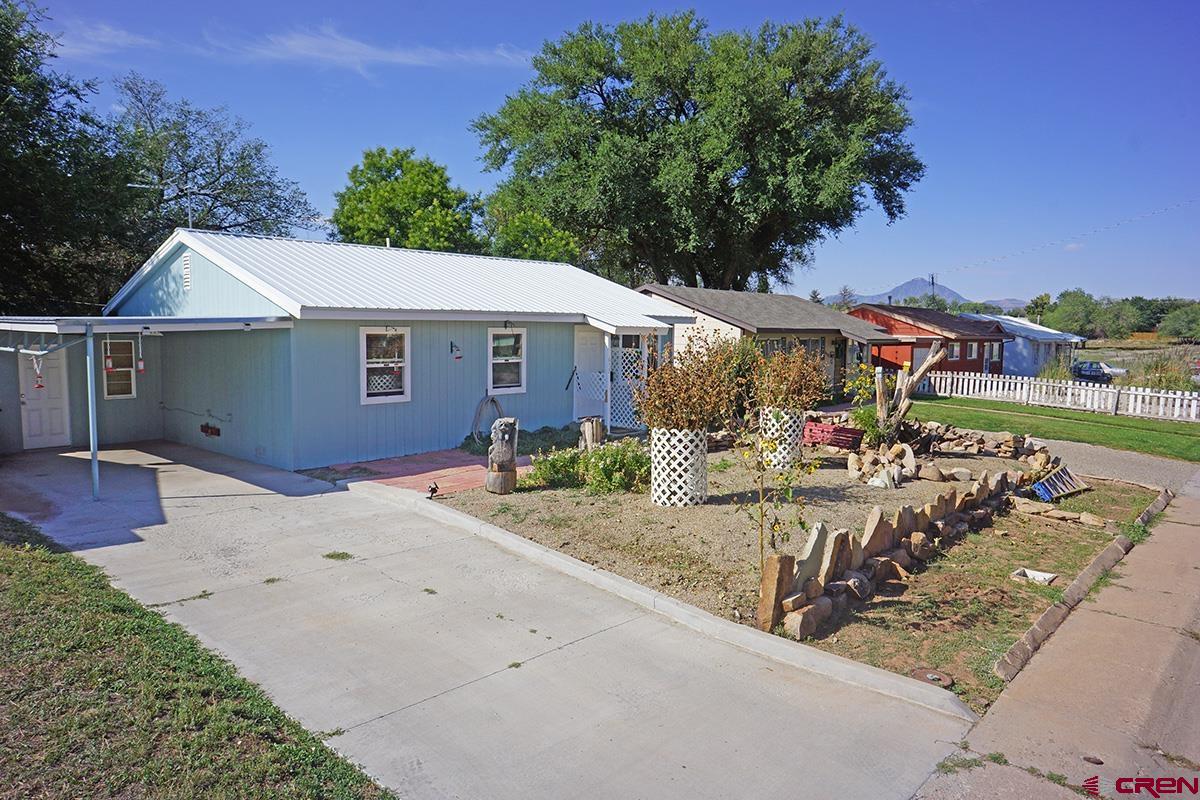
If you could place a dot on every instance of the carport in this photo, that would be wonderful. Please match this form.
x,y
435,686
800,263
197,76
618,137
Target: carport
x,y
39,338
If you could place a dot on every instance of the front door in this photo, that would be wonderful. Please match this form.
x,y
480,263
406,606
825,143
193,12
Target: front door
x,y
45,414
591,382
987,357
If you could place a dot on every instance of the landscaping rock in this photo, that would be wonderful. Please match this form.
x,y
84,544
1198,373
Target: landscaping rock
x,y
795,601
809,562
881,568
961,474
854,466
803,622
1057,513
836,588
908,458
877,534
920,547
900,557
776,584
1027,506
1088,518
859,585
836,560
880,483
930,472
813,588
856,552
907,521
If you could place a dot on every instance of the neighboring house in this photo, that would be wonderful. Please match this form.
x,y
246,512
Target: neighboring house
x,y
302,354
971,345
1033,346
776,321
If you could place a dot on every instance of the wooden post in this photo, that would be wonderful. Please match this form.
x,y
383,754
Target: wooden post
x,y
591,430
777,576
881,409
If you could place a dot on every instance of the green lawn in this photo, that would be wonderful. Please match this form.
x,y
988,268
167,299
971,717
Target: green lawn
x,y
102,698
1157,437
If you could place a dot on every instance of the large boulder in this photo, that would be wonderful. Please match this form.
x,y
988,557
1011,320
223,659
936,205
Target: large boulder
x,y
838,554
808,564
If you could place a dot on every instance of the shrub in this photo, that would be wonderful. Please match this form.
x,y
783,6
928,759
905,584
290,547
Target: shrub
x,y
1057,370
859,385
1167,371
795,381
698,388
865,419
622,466
558,469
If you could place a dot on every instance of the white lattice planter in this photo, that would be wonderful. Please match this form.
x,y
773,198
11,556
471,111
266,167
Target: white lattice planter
x,y
785,428
678,467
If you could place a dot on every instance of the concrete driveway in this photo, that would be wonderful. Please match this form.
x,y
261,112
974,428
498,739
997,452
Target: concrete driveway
x,y
449,666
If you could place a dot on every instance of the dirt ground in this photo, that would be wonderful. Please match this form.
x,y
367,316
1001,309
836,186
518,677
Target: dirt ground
x,y
704,555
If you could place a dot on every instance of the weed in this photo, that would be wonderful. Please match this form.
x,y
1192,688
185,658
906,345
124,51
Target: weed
x,y
338,555
514,665
954,763
271,580
782,632
428,590
557,521
1057,777
722,465
499,616
1135,532
997,758
533,630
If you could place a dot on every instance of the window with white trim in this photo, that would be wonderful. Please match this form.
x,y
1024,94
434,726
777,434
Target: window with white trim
x,y
955,349
972,350
506,360
384,368
120,375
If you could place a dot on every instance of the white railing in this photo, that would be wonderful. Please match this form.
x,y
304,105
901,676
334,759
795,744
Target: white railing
x,y
1132,401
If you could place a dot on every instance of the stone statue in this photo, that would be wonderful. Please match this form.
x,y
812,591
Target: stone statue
x,y
502,457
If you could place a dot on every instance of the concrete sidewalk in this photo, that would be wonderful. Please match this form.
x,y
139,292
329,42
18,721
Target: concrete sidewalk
x,y
1118,682
448,666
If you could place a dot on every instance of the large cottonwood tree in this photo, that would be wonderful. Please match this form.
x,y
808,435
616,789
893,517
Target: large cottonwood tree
x,y
710,159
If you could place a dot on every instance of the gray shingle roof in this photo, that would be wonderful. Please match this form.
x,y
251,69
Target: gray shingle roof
x,y
756,312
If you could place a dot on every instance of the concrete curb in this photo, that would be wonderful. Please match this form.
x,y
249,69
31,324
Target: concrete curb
x,y
746,638
1023,649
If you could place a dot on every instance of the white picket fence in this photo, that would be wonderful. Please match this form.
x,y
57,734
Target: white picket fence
x,y
1131,401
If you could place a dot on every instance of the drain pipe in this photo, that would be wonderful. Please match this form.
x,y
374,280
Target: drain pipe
x,y
91,397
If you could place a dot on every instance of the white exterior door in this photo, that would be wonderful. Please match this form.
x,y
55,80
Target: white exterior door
x,y
919,356
45,412
591,382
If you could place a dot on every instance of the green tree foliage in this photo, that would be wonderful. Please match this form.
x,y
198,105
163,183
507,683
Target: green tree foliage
x,y
62,180
714,159
1073,312
973,307
393,195
203,158
815,297
516,232
1036,308
846,299
1183,322
927,300
1151,310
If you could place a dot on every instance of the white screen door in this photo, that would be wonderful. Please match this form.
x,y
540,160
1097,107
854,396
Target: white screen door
x,y
45,413
591,382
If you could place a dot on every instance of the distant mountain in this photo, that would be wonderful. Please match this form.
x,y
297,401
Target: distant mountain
x,y
1008,303
912,288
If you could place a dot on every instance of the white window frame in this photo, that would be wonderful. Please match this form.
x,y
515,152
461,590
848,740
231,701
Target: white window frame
x,y
364,399
955,351
972,351
489,360
131,369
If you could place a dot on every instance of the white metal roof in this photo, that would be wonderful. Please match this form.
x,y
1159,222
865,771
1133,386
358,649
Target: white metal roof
x,y
72,325
1019,326
330,279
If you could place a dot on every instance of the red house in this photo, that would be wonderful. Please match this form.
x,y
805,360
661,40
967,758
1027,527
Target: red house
x,y
971,345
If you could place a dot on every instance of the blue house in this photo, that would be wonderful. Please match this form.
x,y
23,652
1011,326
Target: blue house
x,y
302,354
1033,346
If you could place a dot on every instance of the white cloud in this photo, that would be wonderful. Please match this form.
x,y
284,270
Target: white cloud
x,y
84,40
1073,247
326,46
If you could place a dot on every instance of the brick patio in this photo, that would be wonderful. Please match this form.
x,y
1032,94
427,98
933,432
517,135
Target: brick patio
x,y
452,470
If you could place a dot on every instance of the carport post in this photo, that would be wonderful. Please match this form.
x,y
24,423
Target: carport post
x,y
91,391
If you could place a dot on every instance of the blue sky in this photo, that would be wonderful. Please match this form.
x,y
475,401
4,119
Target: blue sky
x,y
1043,125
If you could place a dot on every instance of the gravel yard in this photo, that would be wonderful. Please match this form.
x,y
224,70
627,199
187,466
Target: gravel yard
x,y
705,555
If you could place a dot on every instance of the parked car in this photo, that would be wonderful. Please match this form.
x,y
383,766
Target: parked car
x,y
1096,371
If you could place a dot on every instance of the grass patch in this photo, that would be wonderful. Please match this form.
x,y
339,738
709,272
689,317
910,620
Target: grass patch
x,y
103,698
1135,532
338,555
1120,502
1179,440
997,758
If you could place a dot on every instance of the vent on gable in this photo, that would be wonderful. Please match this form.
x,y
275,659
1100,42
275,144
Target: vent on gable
x,y
187,272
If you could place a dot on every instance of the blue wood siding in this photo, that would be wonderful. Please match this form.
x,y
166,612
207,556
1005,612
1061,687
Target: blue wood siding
x,y
131,419
10,405
237,381
332,425
213,293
